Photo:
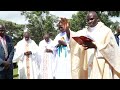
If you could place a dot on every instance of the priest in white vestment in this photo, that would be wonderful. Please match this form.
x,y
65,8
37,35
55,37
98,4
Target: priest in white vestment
x,y
62,58
26,54
47,58
99,59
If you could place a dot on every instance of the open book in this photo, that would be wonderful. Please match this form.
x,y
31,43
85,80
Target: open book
x,y
82,39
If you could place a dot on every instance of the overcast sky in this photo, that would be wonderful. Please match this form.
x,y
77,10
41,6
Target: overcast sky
x,y
16,17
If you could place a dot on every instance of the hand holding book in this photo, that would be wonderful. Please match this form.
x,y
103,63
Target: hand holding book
x,y
78,40
82,39
85,42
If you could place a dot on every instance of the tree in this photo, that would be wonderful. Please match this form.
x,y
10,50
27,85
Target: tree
x,y
40,22
78,20
49,25
114,26
14,30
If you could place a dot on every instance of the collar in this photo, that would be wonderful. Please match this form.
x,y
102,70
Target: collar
x,y
95,27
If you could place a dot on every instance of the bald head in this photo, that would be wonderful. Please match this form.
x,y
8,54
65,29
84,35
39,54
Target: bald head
x,y
92,19
92,13
2,30
46,37
26,36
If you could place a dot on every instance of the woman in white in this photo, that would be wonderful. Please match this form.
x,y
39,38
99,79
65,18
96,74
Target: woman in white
x,y
62,59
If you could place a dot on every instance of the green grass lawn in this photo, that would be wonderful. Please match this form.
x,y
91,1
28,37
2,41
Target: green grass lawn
x,y
15,73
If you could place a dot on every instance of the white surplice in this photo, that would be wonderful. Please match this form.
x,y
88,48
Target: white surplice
x,y
34,59
62,58
47,60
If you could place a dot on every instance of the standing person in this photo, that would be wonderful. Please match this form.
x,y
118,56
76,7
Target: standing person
x,y
117,36
62,58
6,55
47,58
99,59
27,57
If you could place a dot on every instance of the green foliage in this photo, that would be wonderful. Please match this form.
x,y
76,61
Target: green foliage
x,y
40,22
114,26
78,20
14,30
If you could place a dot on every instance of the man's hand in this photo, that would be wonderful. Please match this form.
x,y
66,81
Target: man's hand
x,y
88,45
62,43
6,64
28,53
49,50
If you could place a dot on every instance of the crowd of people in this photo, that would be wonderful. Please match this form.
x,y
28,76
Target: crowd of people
x,y
63,57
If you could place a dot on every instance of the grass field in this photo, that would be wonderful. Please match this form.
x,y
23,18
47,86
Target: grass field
x,y
15,73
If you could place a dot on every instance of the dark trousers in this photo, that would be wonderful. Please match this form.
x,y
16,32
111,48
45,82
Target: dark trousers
x,y
6,74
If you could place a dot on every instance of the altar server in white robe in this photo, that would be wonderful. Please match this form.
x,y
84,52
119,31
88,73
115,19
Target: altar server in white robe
x,y
47,57
26,54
